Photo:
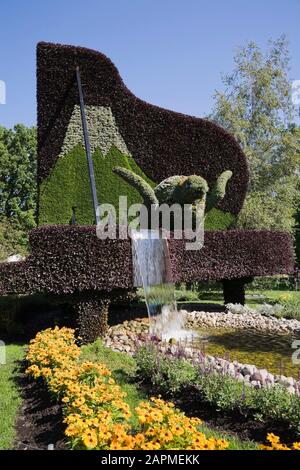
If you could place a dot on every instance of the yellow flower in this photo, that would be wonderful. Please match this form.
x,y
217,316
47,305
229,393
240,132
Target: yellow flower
x,y
196,421
142,418
104,435
139,439
150,446
79,401
199,439
177,430
166,435
272,438
221,444
277,445
85,410
89,439
71,430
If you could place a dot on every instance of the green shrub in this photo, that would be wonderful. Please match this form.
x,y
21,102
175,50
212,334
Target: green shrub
x,y
291,308
277,282
13,239
167,376
221,390
286,305
216,219
184,295
275,403
293,414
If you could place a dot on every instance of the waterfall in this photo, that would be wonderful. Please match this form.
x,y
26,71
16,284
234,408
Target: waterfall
x,y
152,271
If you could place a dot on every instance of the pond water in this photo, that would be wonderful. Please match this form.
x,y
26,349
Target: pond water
x,y
271,351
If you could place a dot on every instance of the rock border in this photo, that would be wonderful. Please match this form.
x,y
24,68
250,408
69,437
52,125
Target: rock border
x,y
248,319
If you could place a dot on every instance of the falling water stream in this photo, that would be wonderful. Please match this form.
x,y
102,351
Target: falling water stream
x,y
152,271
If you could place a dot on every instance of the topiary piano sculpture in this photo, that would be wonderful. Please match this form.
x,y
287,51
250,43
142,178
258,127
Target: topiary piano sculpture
x,y
68,262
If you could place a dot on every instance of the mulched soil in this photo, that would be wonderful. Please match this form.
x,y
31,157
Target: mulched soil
x,y
39,421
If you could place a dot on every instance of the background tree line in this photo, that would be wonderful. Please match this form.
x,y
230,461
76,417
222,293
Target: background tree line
x,y
255,106
18,163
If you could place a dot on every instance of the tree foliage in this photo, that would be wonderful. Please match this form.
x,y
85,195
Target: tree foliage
x,y
17,185
256,107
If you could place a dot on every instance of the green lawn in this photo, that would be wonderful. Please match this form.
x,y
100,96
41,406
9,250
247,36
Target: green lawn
x,y
123,367
9,395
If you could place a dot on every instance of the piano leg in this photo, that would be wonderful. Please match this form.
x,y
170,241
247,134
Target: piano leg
x,y
234,290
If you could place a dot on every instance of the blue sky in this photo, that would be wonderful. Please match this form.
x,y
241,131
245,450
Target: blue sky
x,y
169,52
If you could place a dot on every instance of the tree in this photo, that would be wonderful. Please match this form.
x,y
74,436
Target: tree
x,y
12,239
297,226
17,181
297,234
256,107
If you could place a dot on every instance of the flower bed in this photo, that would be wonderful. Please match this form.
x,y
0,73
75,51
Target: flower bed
x,y
96,413
95,409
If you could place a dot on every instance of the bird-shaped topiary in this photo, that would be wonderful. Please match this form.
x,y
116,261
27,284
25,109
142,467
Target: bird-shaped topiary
x,y
190,190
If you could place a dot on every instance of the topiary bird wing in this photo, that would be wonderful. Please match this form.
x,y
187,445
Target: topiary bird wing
x,y
218,192
138,183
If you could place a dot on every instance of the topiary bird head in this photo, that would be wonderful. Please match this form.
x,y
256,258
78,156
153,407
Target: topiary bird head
x,y
190,189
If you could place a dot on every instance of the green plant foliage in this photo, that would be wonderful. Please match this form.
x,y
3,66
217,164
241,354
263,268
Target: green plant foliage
x,y
217,219
289,304
297,221
68,186
167,376
12,239
18,175
145,190
179,189
17,188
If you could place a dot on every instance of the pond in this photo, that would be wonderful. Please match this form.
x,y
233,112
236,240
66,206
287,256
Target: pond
x,y
266,350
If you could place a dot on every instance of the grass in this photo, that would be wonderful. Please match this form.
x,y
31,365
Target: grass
x,y
216,297
9,395
123,367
